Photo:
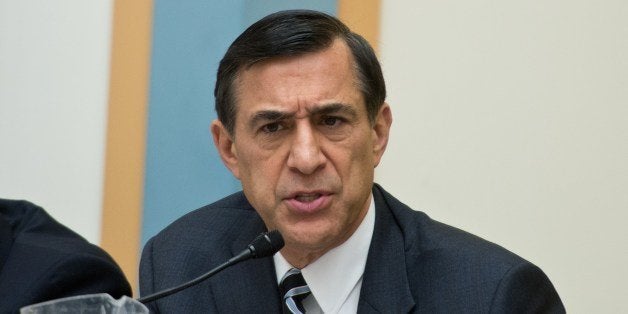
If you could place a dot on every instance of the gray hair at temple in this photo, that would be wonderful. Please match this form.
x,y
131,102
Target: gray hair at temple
x,y
293,33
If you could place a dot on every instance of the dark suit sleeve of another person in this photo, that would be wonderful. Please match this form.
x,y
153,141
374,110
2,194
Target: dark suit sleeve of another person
x,y
43,260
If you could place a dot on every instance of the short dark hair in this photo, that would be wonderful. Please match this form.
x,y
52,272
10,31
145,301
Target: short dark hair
x,y
292,33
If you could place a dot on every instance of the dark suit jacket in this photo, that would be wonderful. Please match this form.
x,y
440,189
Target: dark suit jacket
x,y
41,260
414,264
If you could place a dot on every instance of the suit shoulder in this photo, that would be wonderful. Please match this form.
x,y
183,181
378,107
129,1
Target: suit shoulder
x,y
208,227
201,238
33,227
423,235
35,274
214,215
449,268
47,260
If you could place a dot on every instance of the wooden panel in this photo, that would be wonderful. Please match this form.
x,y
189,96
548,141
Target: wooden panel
x,y
126,134
363,17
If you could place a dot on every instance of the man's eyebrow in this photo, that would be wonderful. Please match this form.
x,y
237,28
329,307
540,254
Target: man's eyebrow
x,y
264,116
269,115
334,108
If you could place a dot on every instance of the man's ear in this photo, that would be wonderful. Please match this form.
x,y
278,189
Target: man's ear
x,y
381,130
226,147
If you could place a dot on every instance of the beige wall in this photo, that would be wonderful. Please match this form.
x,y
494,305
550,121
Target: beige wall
x,y
54,72
511,121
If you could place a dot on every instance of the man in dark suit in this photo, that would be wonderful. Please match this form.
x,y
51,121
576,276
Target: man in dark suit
x,y
302,123
41,260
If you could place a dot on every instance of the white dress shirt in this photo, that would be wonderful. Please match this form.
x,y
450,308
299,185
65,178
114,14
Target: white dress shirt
x,y
335,278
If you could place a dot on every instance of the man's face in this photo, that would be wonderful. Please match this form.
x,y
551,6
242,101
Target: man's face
x,y
303,147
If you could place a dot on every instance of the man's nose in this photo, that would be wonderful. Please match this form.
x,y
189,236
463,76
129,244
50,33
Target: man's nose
x,y
306,155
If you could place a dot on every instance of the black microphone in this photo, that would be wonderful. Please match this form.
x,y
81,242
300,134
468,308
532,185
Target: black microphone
x,y
265,244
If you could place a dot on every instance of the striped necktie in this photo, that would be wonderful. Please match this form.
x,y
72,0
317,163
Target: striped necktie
x,y
293,290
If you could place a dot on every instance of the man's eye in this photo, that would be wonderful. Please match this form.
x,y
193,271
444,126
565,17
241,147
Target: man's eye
x,y
271,127
331,121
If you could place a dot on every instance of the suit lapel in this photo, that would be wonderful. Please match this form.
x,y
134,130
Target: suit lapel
x,y
385,287
251,286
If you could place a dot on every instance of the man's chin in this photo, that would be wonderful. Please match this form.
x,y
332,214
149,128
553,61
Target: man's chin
x,y
308,242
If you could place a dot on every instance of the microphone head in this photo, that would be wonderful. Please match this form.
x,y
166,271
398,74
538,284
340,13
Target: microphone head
x,y
266,244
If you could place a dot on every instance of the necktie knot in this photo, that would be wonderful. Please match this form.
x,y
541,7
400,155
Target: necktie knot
x,y
293,290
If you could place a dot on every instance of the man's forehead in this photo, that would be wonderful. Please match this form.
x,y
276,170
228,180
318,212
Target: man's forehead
x,y
303,76
336,54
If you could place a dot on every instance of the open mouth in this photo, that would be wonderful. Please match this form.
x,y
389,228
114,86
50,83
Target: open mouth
x,y
307,198
308,202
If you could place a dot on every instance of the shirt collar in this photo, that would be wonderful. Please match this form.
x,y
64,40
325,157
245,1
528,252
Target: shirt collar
x,y
332,276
